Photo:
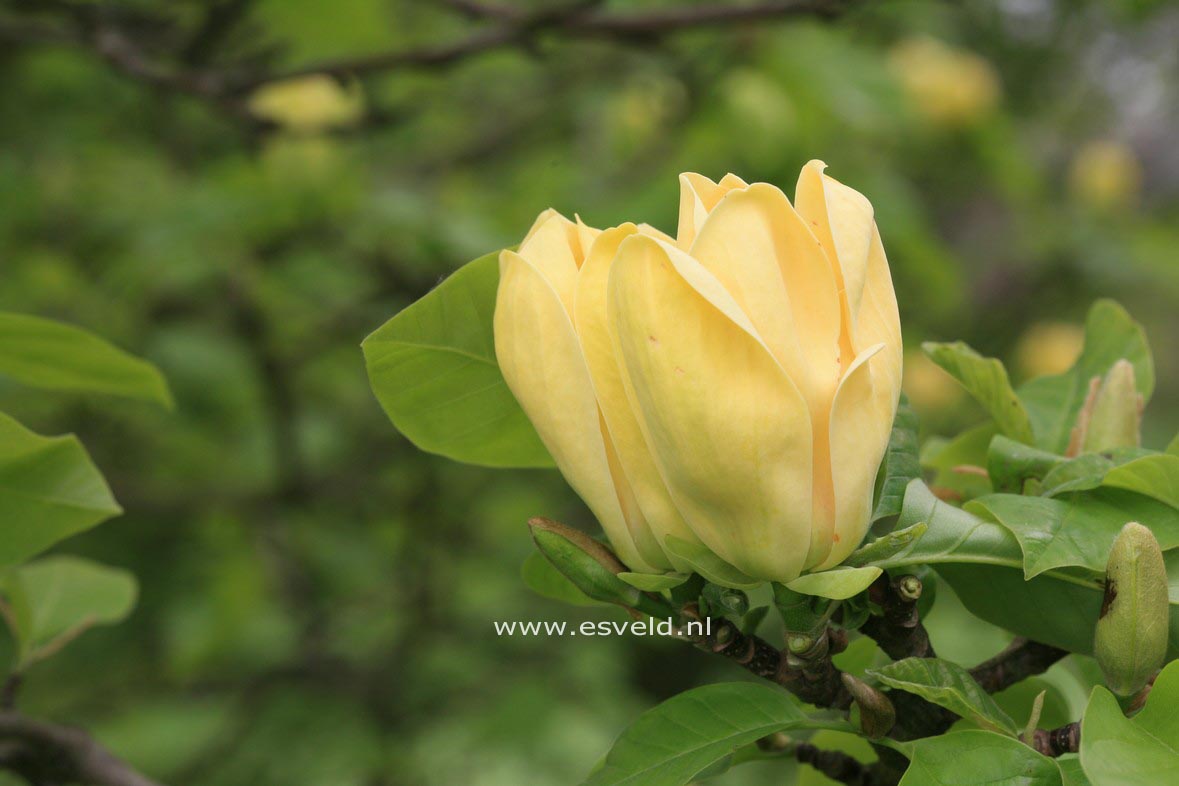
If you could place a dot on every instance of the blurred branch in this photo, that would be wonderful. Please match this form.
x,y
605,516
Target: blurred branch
x,y
191,62
46,753
1057,742
839,767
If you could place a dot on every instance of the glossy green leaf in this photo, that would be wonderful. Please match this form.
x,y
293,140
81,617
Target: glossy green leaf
x,y
1077,531
545,580
1053,403
670,744
47,354
837,584
1154,476
947,685
902,463
1010,463
978,758
986,380
54,599
49,490
433,368
1121,751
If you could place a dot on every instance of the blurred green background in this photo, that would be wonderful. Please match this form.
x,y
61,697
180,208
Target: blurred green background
x,y
317,595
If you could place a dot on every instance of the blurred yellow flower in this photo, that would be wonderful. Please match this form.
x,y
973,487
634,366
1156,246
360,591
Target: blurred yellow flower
x,y
950,87
308,104
728,391
1105,175
928,387
1049,348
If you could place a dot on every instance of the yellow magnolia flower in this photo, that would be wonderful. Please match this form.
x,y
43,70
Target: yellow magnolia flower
x,y
950,87
309,104
732,389
1106,175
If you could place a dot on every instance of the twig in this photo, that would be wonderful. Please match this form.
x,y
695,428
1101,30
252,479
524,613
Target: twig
x,y
1023,658
44,752
898,630
1057,742
837,766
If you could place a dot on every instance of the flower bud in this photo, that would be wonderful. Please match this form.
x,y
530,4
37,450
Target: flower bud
x,y
1131,638
1115,418
731,391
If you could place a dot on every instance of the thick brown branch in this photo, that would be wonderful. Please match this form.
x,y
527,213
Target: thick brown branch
x,y
1023,658
47,753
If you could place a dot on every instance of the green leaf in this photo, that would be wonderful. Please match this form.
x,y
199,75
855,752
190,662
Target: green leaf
x,y
978,758
1053,403
433,368
709,565
1071,771
1078,530
967,449
653,582
49,490
1010,463
886,546
545,580
947,685
670,744
902,463
47,354
986,380
1154,476
1119,751
837,584
55,599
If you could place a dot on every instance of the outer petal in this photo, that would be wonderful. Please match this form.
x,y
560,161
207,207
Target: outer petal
x,y
859,436
729,430
698,196
550,380
553,247
842,220
622,423
760,249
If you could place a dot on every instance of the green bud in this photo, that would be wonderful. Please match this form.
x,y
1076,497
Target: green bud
x,y
1114,413
1131,638
590,565
877,715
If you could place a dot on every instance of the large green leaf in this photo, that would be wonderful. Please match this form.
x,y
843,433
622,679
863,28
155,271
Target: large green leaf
x,y
1154,476
53,600
1077,530
902,463
986,380
433,368
47,354
1011,463
948,685
49,490
1053,403
670,744
947,460
983,562
978,758
1119,751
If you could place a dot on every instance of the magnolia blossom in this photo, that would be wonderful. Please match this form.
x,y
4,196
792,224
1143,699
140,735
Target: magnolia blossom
x,y
728,391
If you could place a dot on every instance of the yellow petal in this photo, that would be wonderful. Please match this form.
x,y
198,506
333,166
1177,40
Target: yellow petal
x,y
878,322
859,436
842,220
540,357
622,424
553,247
698,196
760,249
729,430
